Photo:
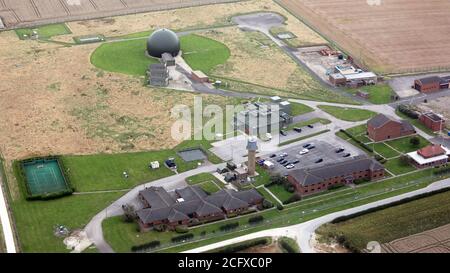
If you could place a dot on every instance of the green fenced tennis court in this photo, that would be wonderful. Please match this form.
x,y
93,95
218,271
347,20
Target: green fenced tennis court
x,y
44,176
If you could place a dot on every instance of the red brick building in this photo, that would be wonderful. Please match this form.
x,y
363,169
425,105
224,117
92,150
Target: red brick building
x,y
430,156
428,84
432,121
311,181
382,127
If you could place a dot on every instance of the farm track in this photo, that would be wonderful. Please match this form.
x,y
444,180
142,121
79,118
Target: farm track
x,y
65,7
36,9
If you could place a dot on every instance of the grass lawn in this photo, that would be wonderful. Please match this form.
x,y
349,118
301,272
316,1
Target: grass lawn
x,y
280,192
104,171
403,144
348,114
46,31
128,57
210,187
397,166
358,130
379,94
263,191
202,53
393,223
384,150
262,178
200,178
35,220
300,109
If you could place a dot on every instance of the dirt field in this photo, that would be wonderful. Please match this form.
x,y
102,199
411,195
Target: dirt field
x,y
17,13
395,36
254,58
431,241
439,106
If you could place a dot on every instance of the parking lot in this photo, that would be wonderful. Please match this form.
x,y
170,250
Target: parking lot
x,y
323,151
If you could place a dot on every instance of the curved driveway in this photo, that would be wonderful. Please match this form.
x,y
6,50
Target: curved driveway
x,y
94,227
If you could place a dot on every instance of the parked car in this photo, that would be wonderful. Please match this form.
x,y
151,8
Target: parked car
x,y
286,164
268,136
290,166
260,162
304,151
340,150
298,130
347,155
312,146
311,126
306,145
295,161
273,155
283,133
319,160
280,159
283,155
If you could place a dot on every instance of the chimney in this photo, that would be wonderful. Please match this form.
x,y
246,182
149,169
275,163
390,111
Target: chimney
x,y
252,147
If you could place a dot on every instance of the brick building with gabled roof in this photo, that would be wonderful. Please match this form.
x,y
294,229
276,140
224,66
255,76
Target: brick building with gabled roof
x,y
318,179
383,127
430,156
192,205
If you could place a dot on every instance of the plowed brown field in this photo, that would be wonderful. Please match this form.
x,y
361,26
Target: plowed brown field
x,y
395,36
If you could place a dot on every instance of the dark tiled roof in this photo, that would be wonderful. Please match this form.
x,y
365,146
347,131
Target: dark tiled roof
x,y
157,197
429,80
196,201
380,120
317,175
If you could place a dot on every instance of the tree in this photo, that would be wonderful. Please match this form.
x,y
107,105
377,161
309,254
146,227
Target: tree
x,y
415,141
277,179
404,160
129,213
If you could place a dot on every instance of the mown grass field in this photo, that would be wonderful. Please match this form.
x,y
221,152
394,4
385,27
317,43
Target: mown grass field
x,y
384,150
128,56
403,144
379,94
300,109
397,166
44,32
105,171
200,178
280,192
348,114
35,220
393,223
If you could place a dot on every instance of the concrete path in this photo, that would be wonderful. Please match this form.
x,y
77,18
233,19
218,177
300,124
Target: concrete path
x,y
5,220
303,232
94,227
